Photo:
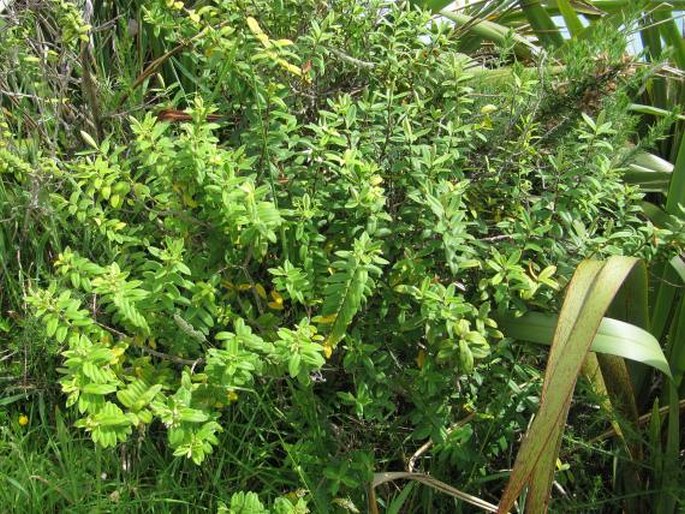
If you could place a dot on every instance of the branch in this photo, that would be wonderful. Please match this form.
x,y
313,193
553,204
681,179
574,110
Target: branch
x,y
352,60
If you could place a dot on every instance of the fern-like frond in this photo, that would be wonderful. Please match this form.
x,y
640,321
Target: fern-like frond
x,y
349,285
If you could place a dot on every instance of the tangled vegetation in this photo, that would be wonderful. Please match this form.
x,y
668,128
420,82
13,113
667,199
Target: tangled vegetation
x,y
282,248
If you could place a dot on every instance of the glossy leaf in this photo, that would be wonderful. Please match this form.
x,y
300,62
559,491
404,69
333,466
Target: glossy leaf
x,y
613,337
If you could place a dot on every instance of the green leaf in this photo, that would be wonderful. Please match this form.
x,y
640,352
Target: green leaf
x,y
542,24
51,326
294,365
571,18
61,333
99,388
588,297
89,140
613,337
193,415
138,394
13,398
92,371
246,503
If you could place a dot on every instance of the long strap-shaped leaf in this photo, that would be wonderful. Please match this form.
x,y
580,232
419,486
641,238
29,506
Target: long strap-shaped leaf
x,y
491,31
613,337
589,295
571,18
433,5
542,23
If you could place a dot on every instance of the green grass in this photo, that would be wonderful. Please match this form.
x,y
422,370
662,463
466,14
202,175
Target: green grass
x,y
47,466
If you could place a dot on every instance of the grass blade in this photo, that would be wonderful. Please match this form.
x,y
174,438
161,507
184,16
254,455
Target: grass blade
x,y
593,373
678,266
611,6
668,478
620,388
662,304
542,437
655,214
652,162
649,181
397,503
11,399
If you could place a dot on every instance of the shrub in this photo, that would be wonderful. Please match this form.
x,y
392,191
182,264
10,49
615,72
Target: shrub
x,y
344,213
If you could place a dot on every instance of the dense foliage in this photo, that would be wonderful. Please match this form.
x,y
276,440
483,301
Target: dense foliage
x,y
320,245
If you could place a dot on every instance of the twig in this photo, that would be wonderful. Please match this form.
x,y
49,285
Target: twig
x,y
51,484
382,478
496,238
107,25
14,94
7,356
157,63
427,446
152,68
642,420
174,358
88,78
161,355
352,60
121,335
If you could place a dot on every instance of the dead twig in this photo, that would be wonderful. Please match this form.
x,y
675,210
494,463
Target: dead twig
x,y
382,478
642,420
157,63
